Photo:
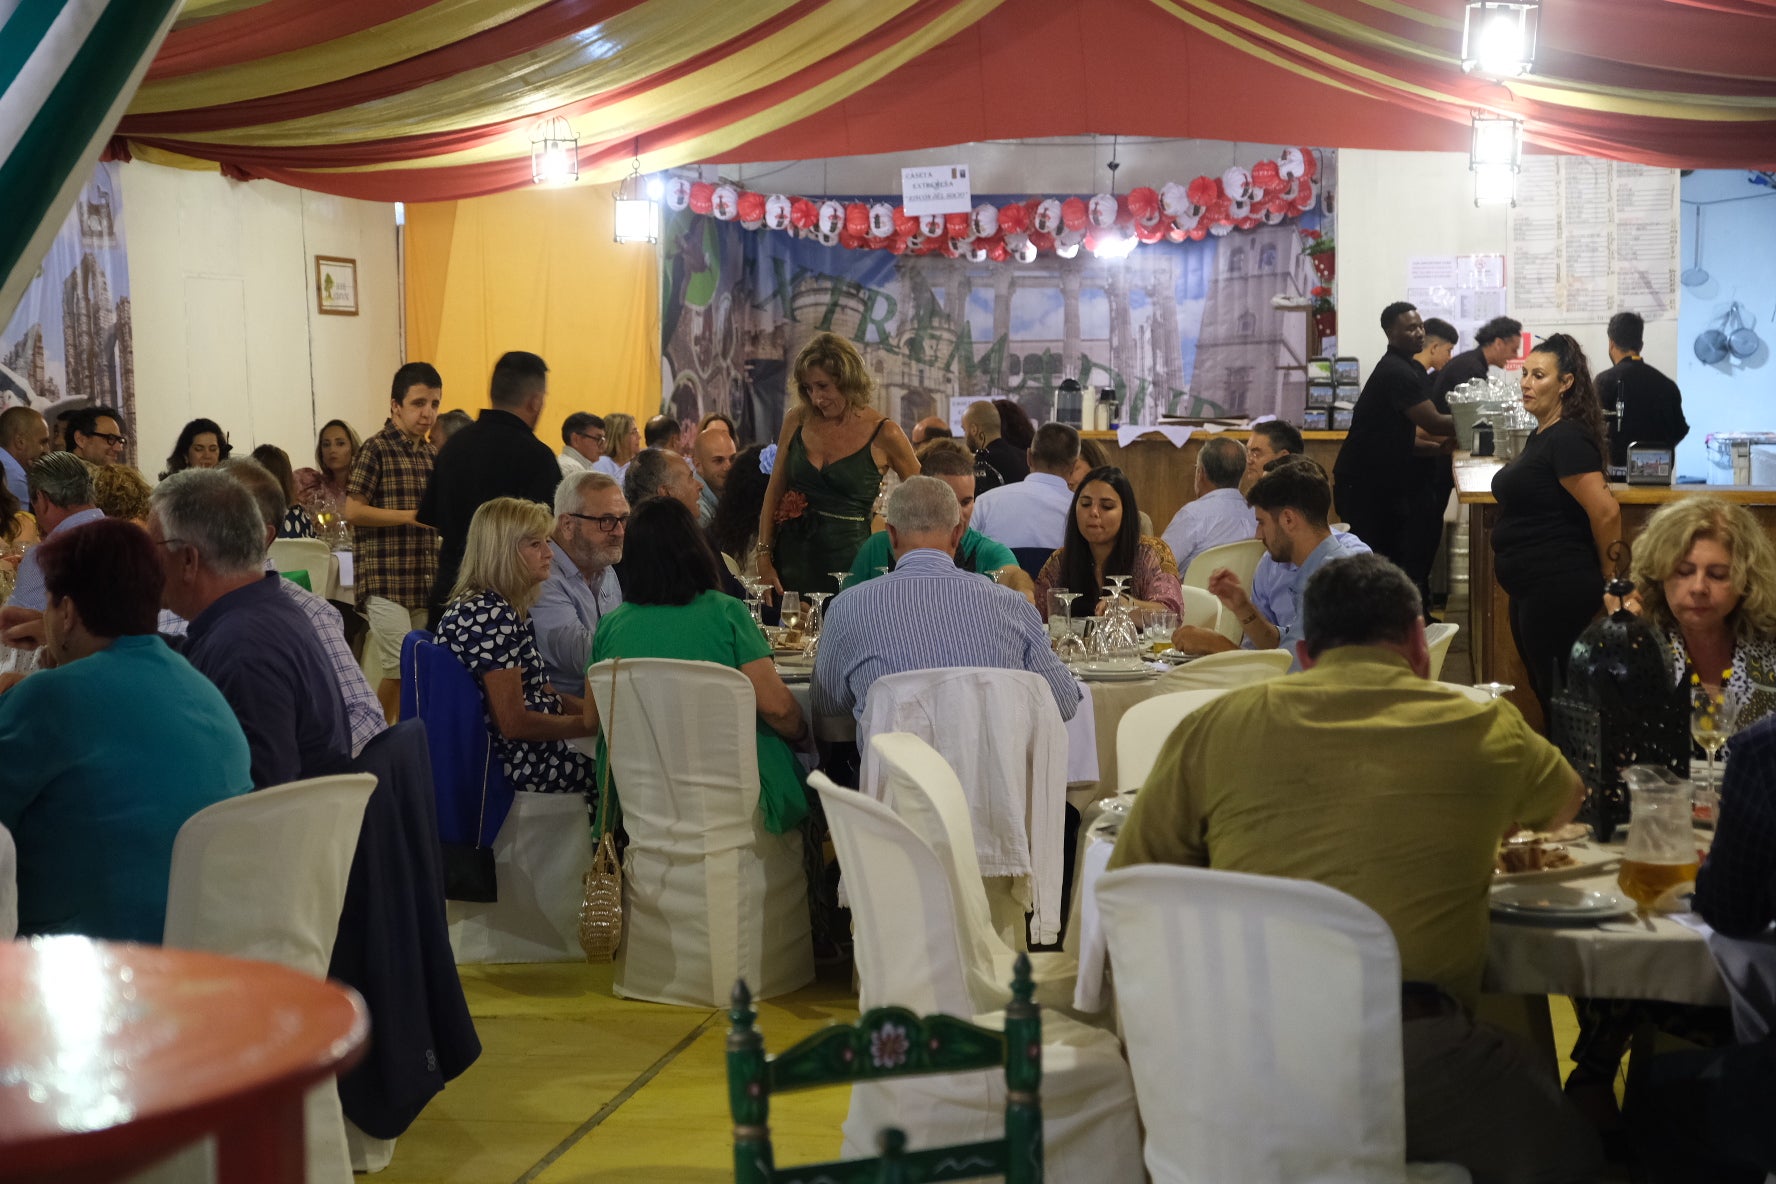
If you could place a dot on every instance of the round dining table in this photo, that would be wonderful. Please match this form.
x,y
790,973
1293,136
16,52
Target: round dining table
x,y
113,1056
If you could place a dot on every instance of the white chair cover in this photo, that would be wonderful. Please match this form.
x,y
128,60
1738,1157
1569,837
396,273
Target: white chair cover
x,y
910,953
709,895
310,555
1437,639
1146,727
540,855
924,793
9,897
1002,734
1204,609
1264,1024
1240,558
1234,668
263,876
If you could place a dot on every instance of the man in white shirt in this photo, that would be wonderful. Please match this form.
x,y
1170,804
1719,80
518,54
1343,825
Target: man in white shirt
x,y
1032,513
582,443
1219,514
591,522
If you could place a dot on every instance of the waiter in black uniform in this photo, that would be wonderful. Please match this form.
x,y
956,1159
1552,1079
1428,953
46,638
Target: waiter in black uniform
x,y
1375,483
1495,343
1639,403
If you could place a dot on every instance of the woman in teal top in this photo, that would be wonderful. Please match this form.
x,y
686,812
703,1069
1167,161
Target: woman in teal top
x,y
831,454
109,752
672,609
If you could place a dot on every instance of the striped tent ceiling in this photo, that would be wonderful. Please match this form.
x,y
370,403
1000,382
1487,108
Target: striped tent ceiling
x,y
434,99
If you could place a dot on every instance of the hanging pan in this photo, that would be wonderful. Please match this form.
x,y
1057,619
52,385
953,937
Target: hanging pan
x,y
1711,347
1743,340
1696,275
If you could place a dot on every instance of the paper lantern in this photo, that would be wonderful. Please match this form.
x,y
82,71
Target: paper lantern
x,y
996,251
1150,234
1197,234
1310,164
1174,199
1048,216
1239,209
958,225
1236,183
1177,234
1074,215
1266,177
678,193
1249,222
832,219
1204,191
1304,195
963,245
1014,218
905,224
1221,229
1044,242
1102,211
702,197
881,220
1290,165
777,209
751,207
828,238
900,244
1143,202
931,225
857,219
1071,238
978,252
1024,252
984,221
725,201
1066,250
803,214
1275,210
849,241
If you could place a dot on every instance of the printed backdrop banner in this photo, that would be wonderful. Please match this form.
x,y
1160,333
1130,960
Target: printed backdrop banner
x,y
1176,328
68,345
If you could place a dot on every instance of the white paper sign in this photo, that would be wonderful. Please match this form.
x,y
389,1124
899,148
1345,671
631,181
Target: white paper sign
x,y
936,189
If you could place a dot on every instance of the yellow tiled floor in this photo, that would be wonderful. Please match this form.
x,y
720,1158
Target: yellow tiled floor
x,y
554,1097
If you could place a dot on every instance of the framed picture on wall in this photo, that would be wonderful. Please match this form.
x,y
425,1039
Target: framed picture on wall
x,y
336,286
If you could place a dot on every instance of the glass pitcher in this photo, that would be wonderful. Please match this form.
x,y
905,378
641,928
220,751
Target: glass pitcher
x,y
1659,864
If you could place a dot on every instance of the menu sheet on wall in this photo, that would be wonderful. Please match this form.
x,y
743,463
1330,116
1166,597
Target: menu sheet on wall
x,y
1591,238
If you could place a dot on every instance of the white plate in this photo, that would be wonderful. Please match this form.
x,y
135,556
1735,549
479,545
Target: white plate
x,y
1559,902
1087,674
1178,659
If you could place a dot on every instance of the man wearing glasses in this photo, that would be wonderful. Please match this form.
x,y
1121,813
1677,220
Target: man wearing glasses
x,y
591,518
582,439
96,436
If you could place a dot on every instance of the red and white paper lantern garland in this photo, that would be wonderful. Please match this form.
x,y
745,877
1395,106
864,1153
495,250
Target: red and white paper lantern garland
x,y
1265,194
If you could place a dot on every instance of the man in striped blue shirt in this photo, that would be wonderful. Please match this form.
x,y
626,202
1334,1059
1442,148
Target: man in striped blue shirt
x,y
927,613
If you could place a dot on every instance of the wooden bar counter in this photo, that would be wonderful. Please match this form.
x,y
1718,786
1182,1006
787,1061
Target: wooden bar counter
x,y
1164,475
1493,652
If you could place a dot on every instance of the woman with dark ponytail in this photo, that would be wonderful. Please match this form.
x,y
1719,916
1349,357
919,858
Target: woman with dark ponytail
x,y
1556,516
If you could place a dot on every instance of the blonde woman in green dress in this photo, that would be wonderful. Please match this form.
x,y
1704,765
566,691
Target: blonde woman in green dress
x,y
831,455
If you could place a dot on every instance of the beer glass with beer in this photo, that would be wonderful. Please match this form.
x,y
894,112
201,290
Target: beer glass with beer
x,y
1659,863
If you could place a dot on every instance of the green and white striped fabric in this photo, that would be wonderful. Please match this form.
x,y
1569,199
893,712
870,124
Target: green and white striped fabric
x,y
68,69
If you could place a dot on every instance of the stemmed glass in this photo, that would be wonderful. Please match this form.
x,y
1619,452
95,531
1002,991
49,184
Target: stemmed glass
x,y
755,599
1713,719
839,578
1118,586
789,612
1069,647
815,617
1495,690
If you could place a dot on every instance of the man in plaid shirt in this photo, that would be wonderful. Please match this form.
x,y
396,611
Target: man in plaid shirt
x,y
395,556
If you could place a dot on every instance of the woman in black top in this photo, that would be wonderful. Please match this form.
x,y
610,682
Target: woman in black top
x,y
1556,517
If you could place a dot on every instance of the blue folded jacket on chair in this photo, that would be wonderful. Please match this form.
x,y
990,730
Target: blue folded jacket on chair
x,y
469,780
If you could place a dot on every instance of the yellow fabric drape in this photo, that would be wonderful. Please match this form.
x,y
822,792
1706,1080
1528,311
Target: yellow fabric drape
x,y
535,270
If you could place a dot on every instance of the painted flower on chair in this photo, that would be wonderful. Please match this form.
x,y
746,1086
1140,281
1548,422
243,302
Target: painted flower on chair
x,y
790,506
888,1046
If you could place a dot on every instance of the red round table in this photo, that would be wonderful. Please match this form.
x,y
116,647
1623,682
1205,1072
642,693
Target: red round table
x,y
113,1056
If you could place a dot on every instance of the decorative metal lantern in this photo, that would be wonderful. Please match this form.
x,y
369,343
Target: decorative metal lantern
x,y
1619,707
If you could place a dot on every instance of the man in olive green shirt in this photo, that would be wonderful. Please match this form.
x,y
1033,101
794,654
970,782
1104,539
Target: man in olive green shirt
x,y
1361,774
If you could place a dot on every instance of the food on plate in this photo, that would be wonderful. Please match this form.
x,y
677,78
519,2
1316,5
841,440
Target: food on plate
x,y
1532,851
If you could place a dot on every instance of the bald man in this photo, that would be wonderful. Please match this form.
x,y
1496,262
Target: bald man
x,y
24,436
930,428
712,458
996,461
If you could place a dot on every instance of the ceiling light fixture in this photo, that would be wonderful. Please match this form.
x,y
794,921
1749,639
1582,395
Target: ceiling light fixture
x,y
1499,37
638,214
1495,159
554,152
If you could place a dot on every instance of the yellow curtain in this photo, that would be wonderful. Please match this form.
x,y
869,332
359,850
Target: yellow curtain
x,y
535,270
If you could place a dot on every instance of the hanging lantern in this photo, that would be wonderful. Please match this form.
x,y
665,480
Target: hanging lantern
x,y
678,193
554,152
1143,203
1066,250
1290,165
637,216
1174,199
777,208
1102,211
1237,184
1024,252
1495,159
1014,218
831,219
725,203
1048,215
1074,215
857,219
751,207
932,225
1499,38
984,222
881,220
905,225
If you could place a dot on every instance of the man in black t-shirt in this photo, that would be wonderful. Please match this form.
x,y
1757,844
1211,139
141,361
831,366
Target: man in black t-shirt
x,y
1639,403
1374,478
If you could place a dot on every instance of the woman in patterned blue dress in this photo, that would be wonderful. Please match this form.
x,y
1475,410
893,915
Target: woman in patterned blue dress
x,y
487,626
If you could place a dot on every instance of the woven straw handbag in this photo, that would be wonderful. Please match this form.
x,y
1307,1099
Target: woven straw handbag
x,y
601,912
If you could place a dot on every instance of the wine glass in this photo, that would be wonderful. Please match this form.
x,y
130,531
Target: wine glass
x,y
1713,719
1160,627
755,594
815,617
1069,647
839,578
789,613
1118,586
1495,690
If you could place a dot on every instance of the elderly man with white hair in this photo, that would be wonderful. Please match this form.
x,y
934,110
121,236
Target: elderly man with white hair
x,y
591,522
928,613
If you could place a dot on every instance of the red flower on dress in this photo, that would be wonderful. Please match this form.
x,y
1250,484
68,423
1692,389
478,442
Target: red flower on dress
x,y
792,505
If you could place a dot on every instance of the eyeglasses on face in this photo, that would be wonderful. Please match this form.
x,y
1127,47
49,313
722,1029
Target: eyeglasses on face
x,y
595,437
608,523
111,438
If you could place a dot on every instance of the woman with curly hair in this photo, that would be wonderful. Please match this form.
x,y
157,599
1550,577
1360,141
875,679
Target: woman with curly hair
x,y
122,492
1705,575
1556,517
831,454
202,444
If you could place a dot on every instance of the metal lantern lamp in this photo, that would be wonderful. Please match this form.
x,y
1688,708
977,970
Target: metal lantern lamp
x,y
1495,159
1619,707
637,214
554,152
1499,37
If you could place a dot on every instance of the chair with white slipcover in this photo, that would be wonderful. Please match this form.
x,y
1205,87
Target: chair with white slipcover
x,y
1240,558
1437,640
263,875
910,953
540,857
1145,727
709,895
309,555
1227,670
1257,995
1204,609
1016,785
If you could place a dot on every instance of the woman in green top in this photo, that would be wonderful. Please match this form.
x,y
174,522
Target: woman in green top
x,y
831,455
672,608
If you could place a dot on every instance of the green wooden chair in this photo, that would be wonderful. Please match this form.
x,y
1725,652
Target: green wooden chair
x,y
892,1042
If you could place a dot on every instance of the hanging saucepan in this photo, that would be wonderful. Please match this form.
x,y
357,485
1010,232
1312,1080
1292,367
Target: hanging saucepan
x,y
1711,347
1743,340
